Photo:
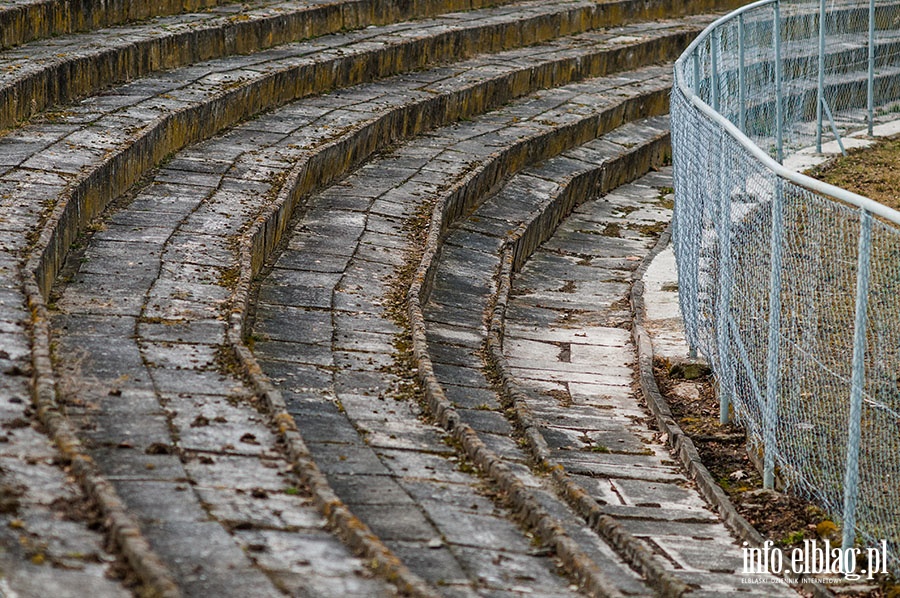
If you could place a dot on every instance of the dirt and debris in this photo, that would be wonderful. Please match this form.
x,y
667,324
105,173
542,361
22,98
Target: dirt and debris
x,y
785,519
691,395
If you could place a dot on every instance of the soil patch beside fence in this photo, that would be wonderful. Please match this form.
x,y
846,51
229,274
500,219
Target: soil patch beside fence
x,y
872,172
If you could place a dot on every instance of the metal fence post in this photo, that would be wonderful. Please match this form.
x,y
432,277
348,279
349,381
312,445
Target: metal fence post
x,y
851,478
820,95
695,59
742,93
722,224
772,357
773,352
779,108
871,85
723,303
714,68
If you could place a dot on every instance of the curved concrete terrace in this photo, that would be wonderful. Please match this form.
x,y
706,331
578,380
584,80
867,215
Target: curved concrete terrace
x,y
257,310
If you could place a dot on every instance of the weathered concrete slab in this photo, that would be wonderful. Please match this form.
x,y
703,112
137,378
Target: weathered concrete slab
x,y
603,440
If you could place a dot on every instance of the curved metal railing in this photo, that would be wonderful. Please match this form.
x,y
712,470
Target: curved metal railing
x,y
788,285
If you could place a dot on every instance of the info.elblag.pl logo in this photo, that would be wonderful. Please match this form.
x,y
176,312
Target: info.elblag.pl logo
x,y
815,558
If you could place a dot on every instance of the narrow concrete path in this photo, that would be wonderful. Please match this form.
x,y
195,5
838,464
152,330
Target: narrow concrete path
x,y
50,542
459,305
568,342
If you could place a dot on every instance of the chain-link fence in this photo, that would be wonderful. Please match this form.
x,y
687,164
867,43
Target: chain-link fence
x,y
791,287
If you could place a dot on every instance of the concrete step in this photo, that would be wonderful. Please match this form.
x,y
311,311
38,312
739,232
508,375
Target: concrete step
x,y
46,72
539,199
600,445
609,246
461,292
22,21
92,154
